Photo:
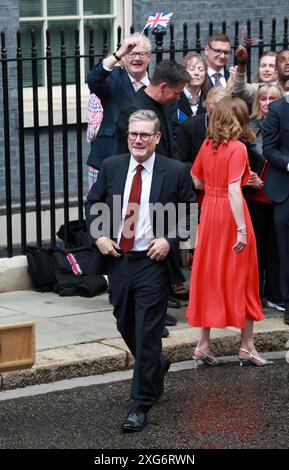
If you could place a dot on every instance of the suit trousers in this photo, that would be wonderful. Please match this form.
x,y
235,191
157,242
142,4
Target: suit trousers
x,y
140,290
267,249
281,219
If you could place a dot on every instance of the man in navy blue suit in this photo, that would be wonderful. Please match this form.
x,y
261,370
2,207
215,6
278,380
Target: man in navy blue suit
x,y
276,150
139,260
115,86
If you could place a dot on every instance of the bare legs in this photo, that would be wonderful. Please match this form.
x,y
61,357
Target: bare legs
x,y
247,347
247,341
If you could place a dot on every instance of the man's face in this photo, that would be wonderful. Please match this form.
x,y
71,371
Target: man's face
x,y
282,65
218,54
142,140
137,60
169,94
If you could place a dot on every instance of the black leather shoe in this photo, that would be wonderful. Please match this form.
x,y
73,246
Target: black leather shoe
x,y
164,369
165,333
173,303
170,320
135,420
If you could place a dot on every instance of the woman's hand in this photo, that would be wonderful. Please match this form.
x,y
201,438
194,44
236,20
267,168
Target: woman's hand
x,y
254,181
241,240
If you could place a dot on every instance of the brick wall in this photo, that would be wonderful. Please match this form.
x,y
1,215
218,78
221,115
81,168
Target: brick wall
x,y
9,16
192,11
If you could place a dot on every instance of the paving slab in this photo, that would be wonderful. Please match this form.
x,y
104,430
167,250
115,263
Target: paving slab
x,y
50,304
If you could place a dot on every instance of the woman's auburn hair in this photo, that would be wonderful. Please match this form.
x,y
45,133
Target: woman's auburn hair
x,y
230,121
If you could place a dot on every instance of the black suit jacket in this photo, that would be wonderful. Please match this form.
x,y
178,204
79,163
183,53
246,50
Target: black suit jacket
x,y
276,150
211,84
143,101
184,106
171,183
190,136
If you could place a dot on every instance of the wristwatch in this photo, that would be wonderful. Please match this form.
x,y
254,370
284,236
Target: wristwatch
x,y
116,56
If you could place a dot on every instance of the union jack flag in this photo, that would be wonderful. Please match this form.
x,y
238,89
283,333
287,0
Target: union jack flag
x,y
158,19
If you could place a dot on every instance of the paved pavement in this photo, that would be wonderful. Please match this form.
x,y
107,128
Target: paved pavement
x,y
76,336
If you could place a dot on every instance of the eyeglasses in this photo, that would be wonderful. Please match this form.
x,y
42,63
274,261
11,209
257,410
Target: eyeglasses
x,y
142,135
220,51
132,55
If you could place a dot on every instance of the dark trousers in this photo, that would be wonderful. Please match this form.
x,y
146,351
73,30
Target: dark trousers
x,y
267,249
281,219
140,295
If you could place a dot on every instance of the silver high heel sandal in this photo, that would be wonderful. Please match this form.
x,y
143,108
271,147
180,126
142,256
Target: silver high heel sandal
x,y
251,359
204,357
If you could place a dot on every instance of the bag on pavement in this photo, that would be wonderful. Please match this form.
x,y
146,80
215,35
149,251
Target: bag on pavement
x,y
41,268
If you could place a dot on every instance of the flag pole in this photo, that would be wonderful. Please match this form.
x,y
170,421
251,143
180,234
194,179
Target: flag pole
x,y
142,32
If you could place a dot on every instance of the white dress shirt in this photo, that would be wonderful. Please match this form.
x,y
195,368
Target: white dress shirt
x,y
144,81
222,79
144,232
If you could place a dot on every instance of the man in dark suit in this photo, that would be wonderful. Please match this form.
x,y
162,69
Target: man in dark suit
x,y
218,50
276,150
138,256
115,86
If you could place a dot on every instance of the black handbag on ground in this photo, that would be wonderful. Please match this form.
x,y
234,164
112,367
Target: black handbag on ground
x,y
41,268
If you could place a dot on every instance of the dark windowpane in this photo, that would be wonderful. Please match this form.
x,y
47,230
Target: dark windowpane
x,y
69,28
101,7
97,27
30,8
26,44
62,7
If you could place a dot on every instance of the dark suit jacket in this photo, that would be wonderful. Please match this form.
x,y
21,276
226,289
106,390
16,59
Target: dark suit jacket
x,y
211,84
143,101
171,183
114,89
190,136
184,106
276,150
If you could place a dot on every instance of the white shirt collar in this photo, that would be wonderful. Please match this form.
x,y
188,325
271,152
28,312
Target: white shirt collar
x,y
148,164
212,71
145,79
188,94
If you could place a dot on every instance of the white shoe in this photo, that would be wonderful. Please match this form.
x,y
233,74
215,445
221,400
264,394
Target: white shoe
x,y
280,307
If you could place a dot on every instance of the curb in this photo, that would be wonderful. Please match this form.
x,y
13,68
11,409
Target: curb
x,y
112,355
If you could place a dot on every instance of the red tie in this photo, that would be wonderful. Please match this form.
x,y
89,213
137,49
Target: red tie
x,y
131,215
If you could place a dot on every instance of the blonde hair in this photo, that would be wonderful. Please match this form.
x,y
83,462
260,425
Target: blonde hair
x,y
230,121
216,94
263,89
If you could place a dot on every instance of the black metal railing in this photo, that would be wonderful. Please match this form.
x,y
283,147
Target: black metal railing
x,y
166,45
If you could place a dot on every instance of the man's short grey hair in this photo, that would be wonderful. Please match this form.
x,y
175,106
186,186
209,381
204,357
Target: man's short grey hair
x,y
144,39
145,115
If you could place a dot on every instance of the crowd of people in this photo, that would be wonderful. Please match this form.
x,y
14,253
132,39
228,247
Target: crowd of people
x,y
192,131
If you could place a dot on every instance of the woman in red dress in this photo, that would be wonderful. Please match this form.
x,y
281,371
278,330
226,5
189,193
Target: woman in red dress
x,y
224,288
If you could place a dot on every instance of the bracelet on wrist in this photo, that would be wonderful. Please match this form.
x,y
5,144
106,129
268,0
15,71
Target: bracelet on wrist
x,y
242,230
116,56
